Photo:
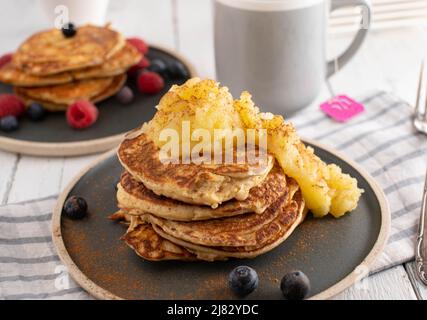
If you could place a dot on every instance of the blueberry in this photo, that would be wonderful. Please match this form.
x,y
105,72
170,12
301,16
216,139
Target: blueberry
x,y
36,112
177,70
158,66
9,123
243,280
69,30
75,208
125,95
295,286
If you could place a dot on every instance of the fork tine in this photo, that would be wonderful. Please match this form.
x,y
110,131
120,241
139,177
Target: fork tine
x,y
424,114
418,111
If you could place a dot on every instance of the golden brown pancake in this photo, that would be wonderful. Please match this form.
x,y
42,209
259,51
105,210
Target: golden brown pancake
x,y
150,246
190,183
66,94
58,98
10,74
114,87
134,198
243,230
115,65
144,240
272,234
50,52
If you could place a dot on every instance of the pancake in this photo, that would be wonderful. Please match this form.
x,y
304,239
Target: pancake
x,y
134,198
66,94
117,64
190,183
242,230
114,87
10,74
58,98
290,215
50,52
149,245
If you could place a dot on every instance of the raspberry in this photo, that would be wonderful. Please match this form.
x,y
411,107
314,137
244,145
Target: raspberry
x,y
82,114
150,82
141,65
11,105
5,59
139,44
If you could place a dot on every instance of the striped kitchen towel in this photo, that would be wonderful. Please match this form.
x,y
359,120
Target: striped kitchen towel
x,y
29,265
381,139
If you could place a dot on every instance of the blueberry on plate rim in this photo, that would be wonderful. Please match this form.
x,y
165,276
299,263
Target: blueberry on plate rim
x,y
177,70
158,66
75,208
69,30
243,280
295,285
36,112
9,123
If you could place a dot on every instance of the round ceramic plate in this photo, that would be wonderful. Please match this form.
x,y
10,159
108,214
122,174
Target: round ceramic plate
x,y
328,250
54,137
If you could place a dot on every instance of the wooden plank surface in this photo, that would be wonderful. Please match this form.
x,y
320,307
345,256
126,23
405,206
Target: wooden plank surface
x,y
8,162
36,178
419,287
195,34
392,284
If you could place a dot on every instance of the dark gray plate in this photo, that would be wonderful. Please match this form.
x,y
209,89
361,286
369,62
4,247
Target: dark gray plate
x,y
328,250
114,119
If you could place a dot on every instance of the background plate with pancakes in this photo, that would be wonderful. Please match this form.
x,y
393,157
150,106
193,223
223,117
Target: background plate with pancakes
x,y
56,71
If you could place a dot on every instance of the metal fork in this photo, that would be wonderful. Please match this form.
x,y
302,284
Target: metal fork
x,y
420,116
421,250
420,123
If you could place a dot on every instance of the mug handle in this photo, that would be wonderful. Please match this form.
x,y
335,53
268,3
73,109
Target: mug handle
x,y
346,56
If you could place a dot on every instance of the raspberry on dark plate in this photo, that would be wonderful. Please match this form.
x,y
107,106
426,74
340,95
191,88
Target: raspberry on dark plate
x,y
5,59
141,65
11,105
82,114
150,83
9,124
139,44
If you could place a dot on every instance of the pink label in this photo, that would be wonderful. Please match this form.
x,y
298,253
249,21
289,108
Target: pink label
x,y
342,108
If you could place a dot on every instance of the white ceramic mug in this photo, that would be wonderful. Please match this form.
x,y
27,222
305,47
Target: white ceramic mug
x,y
276,49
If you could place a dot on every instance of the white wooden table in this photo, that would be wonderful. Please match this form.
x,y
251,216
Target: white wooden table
x,y
389,61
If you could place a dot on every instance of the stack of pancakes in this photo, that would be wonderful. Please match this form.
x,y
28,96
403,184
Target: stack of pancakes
x,y
55,71
203,212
